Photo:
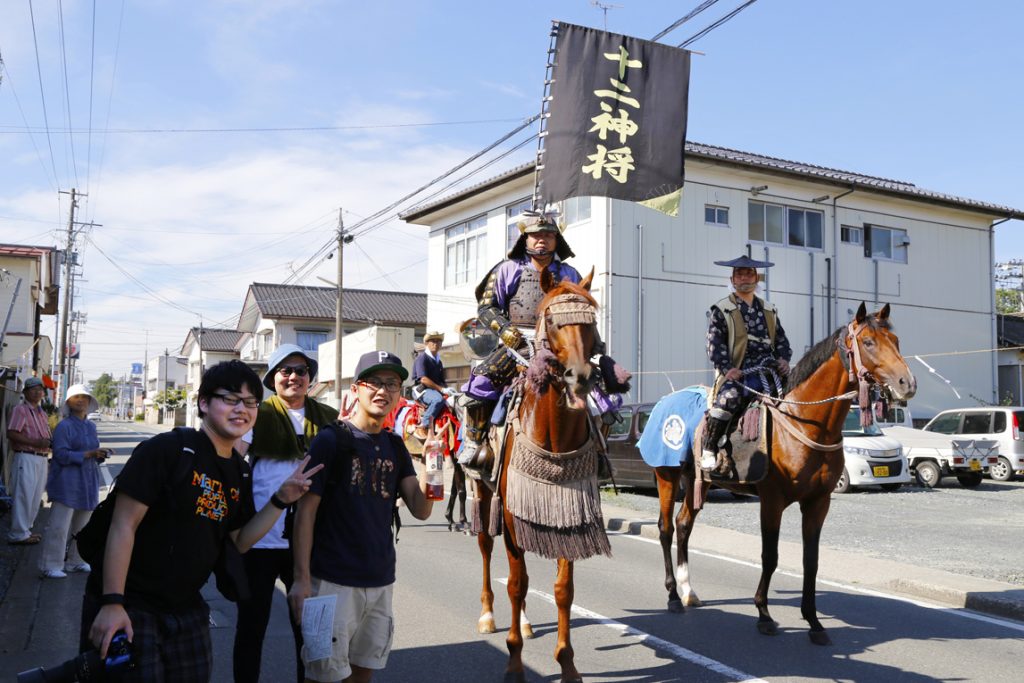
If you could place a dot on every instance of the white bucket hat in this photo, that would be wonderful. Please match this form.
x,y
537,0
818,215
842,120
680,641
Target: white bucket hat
x,y
79,390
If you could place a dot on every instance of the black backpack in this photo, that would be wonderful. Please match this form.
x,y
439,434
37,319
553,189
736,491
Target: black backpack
x,y
232,581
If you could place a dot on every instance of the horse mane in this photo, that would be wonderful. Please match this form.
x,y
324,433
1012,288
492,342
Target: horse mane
x,y
822,351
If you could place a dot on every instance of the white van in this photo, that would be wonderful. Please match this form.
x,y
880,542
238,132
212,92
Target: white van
x,y
872,458
896,416
997,423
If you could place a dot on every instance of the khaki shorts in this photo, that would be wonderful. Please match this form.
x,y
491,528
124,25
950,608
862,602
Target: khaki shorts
x,y
363,630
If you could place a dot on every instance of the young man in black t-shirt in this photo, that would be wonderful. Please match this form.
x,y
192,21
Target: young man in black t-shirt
x,y
168,531
347,549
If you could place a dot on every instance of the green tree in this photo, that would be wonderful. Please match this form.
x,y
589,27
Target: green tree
x,y
172,398
1008,301
105,390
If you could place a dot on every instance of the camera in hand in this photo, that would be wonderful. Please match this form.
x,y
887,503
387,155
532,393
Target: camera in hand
x,y
88,666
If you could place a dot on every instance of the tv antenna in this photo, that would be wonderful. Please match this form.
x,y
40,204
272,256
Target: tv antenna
x,y
604,8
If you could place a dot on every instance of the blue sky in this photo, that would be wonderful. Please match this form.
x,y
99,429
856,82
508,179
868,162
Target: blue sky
x,y
914,90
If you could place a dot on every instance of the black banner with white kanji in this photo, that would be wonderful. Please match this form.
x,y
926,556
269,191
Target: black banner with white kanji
x,y
617,124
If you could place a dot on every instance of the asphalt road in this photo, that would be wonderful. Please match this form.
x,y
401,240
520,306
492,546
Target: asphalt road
x,y
622,632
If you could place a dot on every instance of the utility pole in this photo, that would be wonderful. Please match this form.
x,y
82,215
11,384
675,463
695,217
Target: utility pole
x,y
167,354
68,258
338,315
145,370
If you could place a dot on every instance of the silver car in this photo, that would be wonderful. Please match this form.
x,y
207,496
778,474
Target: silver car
x,y
998,423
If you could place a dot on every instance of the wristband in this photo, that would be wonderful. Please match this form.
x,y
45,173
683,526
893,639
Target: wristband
x,y
112,599
277,502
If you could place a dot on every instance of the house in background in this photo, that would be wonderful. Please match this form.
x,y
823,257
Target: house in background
x,y
1010,330
29,287
838,238
275,314
203,347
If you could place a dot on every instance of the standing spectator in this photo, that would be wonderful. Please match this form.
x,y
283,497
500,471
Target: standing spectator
x,y
73,485
29,436
346,549
285,425
167,532
429,381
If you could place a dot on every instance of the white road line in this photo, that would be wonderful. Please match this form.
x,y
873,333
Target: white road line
x,y
955,611
671,649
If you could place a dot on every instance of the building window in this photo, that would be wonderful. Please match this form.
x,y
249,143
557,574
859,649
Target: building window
x,y
576,210
851,235
716,215
465,251
784,225
513,215
885,244
310,340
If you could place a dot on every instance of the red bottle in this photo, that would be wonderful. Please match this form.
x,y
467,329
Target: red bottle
x,y
433,460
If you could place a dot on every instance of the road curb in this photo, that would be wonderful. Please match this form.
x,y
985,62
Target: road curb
x,y
995,598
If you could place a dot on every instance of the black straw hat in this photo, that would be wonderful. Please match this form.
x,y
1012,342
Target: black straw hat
x,y
744,262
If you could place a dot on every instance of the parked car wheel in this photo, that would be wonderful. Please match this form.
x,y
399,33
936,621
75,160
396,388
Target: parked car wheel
x,y
843,485
891,487
927,473
1001,471
969,480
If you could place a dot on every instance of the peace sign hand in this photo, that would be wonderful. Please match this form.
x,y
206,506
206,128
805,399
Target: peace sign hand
x,y
295,486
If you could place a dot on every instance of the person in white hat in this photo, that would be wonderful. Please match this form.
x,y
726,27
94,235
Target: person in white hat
x,y
73,486
28,433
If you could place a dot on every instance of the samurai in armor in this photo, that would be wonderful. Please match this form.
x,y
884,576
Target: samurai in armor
x,y
744,332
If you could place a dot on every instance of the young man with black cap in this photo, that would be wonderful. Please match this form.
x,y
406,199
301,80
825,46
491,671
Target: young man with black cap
x,y
285,426
342,539
744,332
507,301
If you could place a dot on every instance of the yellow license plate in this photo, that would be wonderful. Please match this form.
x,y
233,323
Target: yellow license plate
x,y
880,470
975,465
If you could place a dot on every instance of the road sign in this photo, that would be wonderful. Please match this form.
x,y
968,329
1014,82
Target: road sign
x,y
136,368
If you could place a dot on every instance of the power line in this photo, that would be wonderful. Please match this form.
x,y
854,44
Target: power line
x,y
266,129
679,22
31,137
42,95
67,89
700,34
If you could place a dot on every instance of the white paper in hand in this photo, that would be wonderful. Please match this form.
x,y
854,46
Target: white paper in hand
x,y
318,626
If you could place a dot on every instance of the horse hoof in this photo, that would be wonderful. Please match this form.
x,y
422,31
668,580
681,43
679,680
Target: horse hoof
x,y
486,626
526,630
676,606
515,677
768,628
819,637
692,600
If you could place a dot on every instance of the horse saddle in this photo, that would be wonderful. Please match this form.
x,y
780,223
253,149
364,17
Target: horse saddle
x,y
744,458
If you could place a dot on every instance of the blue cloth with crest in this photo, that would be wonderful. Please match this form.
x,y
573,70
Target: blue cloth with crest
x,y
667,440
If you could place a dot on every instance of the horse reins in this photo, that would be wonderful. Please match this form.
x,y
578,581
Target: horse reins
x,y
857,372
564,309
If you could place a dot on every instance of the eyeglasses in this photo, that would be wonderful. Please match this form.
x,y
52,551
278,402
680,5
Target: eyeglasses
x,y
287,370
249,401
375,384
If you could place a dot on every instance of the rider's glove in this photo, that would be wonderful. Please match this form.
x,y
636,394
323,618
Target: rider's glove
x,y
511,336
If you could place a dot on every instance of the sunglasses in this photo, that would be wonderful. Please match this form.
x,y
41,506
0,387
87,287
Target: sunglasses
x,y
287,370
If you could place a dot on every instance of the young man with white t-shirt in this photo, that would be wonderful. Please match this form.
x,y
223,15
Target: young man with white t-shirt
x,y
285,426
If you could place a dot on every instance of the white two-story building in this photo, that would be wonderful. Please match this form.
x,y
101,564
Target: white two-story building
x,y
837,238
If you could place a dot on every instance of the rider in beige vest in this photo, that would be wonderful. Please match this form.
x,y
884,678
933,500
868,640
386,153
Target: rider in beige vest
x,y
744,333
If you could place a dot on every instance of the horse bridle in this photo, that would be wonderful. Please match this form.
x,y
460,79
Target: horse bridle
x,y
562,310
855,366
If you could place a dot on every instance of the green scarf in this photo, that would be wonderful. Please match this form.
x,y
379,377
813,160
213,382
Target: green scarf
x,y
273,435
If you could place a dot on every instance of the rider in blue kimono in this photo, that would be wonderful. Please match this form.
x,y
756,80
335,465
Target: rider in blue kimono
x,y
507,299
744,333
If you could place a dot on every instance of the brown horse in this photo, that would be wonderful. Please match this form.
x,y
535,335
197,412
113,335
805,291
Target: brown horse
x,y
806,459
551,415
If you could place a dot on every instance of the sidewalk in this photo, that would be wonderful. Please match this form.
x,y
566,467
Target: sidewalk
x,y
39,619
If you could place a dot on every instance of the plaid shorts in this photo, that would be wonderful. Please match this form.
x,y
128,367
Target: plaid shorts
x,y
166,646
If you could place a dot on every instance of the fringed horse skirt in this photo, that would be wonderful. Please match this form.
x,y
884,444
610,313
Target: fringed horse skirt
x,y
555,501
